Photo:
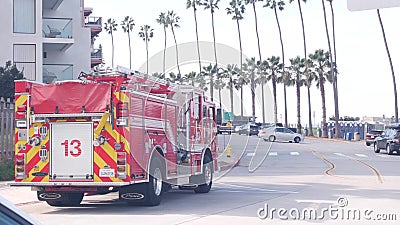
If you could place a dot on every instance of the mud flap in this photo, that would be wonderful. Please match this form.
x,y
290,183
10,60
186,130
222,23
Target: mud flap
x,y
135,193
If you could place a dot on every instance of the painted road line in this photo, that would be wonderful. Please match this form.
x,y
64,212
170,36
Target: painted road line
x,y
250,154
273,154
294,153
361,155
340,154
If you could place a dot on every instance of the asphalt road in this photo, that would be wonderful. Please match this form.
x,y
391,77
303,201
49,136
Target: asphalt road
x,y
336,182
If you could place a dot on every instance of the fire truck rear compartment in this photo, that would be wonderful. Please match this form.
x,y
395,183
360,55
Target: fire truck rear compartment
x,y
71,151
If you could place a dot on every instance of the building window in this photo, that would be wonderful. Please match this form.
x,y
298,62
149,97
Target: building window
x,y
57,72
24,16
25,60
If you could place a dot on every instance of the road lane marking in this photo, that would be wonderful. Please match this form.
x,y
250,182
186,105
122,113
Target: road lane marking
x,y
256,189
361,155
250,154
273,154
294,153
340,154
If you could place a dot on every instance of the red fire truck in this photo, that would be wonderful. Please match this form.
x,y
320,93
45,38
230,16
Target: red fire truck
x,y
113,131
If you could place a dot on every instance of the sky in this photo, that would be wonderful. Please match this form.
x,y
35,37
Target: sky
x,y
364,79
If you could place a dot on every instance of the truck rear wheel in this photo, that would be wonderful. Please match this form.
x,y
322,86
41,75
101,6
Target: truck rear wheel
x,y
207,176
67,199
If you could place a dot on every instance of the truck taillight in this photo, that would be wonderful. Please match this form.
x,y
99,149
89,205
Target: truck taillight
x,y
20,116
121,165
396,140
122,114
20,166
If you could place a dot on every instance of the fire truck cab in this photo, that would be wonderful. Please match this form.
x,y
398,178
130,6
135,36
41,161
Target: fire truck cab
x,y
113,131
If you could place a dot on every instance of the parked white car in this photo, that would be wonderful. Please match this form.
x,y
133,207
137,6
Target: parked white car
x,y
280,134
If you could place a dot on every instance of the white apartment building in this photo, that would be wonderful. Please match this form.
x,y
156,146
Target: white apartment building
x,y
49,40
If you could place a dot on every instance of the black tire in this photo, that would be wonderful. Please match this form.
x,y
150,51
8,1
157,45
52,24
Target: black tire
x,y
207,176
68,199
297,139
368,144
271,138
388,150
376,149
154,187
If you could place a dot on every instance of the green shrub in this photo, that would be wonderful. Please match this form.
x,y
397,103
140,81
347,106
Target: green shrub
x,y
6,169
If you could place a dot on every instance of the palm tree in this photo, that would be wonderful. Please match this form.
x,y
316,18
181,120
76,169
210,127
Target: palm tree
x,y
212,5
110,26
173,20
332,64
190,78
175,78
297,69
146,33
163,20
231,71
193,3
274,66
284,78
273,4
321,65
309,77
237,9
263,67
334,81
127,26
220,84
302,25
253,2
239,83
251,71
396,111
207,74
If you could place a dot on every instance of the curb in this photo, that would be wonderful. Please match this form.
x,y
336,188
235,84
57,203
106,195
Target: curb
x,y
332,139
230,165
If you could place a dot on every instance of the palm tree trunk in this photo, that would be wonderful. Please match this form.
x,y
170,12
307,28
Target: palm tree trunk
x,y
283,61
112,47
310,126
130,50
324,130
147,57
215,49
303,29
241,103
396,112
197,36
262,99
253,99
260,59
241,62
335,85
274,96
298,104
322,89
258,37
165,47
176,50
284,95
220,98
231,92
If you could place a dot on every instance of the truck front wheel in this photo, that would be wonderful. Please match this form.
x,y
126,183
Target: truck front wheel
x,y
207,176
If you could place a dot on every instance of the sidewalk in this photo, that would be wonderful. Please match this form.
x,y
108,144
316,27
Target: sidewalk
x,y
228,159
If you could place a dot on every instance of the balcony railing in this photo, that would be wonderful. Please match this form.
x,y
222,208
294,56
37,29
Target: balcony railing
x,y
93,21
53,73
96,54
57,28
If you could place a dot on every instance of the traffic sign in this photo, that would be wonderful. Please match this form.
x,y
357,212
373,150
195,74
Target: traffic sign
x,y
360,5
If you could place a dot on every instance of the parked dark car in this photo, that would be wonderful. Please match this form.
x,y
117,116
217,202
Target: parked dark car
x,y
249,129
371,135
225,128
388,140
11,215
